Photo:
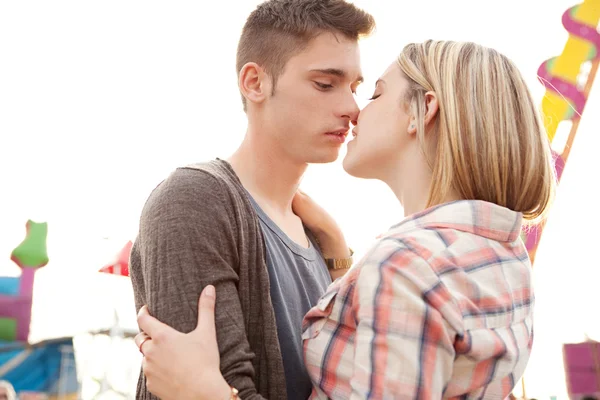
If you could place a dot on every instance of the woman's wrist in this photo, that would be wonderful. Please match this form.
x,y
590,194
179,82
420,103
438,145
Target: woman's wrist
x,y
333,244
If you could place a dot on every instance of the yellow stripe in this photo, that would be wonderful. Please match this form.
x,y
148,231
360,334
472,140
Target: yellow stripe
x,y
567,66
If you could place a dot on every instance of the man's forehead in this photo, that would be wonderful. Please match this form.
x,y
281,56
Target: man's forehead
x,y
330,52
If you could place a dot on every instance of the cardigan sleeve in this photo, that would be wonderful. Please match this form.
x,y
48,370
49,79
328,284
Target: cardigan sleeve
x,y
187,240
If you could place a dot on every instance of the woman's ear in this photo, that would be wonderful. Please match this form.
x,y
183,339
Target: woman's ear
x,y
431,107
412,126
254,83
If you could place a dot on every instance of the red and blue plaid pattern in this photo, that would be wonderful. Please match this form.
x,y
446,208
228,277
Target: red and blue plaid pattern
x,y
440,307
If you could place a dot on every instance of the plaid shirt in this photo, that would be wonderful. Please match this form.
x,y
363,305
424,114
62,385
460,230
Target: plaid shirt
x,y
440,307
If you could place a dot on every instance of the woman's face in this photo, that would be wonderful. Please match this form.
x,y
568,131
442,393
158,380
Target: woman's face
x,y
383,131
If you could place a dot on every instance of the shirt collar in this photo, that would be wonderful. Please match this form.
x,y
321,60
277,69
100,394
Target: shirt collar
x,y
474,216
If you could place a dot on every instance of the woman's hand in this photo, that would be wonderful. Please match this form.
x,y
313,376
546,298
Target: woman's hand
x,y
183,366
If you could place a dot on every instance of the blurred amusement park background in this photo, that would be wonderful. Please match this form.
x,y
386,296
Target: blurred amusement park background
x,y
98,359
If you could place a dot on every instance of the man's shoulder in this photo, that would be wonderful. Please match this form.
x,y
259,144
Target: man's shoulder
x,y
197,185
198,178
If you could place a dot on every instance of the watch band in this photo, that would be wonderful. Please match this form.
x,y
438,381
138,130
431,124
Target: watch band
x,y
339,263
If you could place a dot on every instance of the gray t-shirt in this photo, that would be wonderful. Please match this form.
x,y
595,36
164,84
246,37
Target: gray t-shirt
x,y
298,278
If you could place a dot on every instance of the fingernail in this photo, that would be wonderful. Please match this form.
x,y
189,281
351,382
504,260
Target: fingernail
x,y
210,291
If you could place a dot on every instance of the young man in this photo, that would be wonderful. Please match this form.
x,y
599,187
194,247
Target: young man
x,y
230,223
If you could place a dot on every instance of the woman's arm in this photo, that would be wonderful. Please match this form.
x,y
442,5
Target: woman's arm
x,y
327,232
183,366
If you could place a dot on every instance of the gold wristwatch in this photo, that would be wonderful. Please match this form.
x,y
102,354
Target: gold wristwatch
x,y
339,263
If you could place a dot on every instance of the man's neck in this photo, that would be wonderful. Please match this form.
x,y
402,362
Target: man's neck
x,y
269,176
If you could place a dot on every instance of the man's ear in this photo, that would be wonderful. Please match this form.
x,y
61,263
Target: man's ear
x,y
254,83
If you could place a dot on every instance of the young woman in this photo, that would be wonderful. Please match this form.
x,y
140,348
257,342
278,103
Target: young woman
x,y
441,305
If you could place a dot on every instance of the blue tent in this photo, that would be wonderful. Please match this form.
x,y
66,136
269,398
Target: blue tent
x,y
47,366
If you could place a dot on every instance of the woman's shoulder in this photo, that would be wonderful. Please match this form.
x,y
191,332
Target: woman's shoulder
x,y
406,245
398,255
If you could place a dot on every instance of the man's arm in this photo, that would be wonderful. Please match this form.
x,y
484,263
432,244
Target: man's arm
x,y
187,240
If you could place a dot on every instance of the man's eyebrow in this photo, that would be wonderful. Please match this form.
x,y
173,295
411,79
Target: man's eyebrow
x,y
336,72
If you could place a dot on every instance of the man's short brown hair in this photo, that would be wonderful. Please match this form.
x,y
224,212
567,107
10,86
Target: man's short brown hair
x,y
278,29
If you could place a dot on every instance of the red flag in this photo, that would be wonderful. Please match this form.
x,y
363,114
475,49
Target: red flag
x,y
120,266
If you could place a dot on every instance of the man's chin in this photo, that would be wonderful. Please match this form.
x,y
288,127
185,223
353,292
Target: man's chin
x,y
324,158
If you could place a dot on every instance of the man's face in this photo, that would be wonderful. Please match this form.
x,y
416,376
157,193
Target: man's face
x,y
313,104
3,393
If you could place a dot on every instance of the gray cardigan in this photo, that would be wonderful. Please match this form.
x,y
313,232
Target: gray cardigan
x,y
198,227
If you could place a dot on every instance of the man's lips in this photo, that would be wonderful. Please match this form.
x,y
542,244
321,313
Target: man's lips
x,y
340,132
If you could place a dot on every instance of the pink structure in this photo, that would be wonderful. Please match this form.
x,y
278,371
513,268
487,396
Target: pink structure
x,y
16,294
582,369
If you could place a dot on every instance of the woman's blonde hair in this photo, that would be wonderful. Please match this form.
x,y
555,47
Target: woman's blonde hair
x,y
490,143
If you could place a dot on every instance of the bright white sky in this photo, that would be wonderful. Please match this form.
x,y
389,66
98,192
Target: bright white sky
x,y
101,100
